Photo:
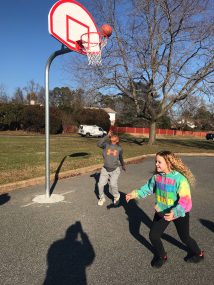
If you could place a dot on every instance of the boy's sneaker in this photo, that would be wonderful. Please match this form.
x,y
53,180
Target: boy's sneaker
x,y
116,201
158,261
101,201
194,258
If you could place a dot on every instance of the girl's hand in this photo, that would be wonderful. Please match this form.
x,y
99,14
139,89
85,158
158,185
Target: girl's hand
x,y
169,217
128,197
131,195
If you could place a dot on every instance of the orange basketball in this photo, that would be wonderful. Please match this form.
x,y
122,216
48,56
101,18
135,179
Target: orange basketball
x,y
106,30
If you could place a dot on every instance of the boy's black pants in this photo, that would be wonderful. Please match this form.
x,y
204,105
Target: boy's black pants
x,y
159,225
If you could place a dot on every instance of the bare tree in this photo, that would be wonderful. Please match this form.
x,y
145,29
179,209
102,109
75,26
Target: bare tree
x,y
161,52
32,89
3,94
18,96
41,96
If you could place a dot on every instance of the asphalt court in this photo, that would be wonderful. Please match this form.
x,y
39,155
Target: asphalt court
x,y
77,242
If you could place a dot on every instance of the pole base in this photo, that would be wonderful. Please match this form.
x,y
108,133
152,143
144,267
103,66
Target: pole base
x,y
43,199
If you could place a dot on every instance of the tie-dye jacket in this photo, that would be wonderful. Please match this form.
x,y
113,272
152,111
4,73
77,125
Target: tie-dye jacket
x,y
172,192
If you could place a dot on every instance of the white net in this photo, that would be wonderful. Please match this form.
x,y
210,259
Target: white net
x,y
93,44
94,58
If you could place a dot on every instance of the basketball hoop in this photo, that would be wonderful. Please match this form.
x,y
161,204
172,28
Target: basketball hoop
x,y
92,44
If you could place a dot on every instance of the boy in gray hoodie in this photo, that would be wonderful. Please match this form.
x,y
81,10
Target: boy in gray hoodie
x,y
113,157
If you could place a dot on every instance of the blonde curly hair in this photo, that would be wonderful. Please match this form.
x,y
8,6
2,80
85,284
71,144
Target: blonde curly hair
x,y
175,163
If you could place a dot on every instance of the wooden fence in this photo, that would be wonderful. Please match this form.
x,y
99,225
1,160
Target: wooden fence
x,y
145,131
142,131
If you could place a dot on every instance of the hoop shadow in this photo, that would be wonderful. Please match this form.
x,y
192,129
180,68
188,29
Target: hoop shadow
x,y
68,258
4,198
56,177
136,216
208,224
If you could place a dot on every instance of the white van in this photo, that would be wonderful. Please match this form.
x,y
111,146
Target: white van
x,y
91,131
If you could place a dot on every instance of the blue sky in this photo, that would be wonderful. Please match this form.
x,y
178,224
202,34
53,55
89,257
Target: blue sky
x,y
26,45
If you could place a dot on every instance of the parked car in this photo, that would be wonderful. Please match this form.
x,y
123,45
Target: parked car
x,y
91,131
210,136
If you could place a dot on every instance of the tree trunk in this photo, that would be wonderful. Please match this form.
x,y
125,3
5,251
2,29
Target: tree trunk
x,y
152,133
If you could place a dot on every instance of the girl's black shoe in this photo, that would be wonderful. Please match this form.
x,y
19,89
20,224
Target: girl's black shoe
x,y
158,261
193,258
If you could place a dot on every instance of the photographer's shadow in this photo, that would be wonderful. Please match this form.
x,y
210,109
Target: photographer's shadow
x,y
68,258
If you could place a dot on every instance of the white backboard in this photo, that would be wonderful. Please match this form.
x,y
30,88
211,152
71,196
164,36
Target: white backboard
x,y
68,21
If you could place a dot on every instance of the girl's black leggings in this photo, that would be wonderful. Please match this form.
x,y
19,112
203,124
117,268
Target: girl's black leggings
x,y
159,225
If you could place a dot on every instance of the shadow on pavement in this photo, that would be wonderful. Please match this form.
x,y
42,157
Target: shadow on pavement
x,y
56,177
68,258
96,176
4,198
136,216
133,140
203,144
208,224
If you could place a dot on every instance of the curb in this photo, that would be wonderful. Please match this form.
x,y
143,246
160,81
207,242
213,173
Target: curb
x,y
71,173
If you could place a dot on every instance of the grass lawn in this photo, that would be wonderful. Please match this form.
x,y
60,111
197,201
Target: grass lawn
x,y
23,157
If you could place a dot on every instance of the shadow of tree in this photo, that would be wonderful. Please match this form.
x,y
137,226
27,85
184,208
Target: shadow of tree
x,y
4,198
189,143
208,224
56,177
136,216
68,258
138,141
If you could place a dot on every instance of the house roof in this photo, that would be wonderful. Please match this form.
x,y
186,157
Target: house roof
x,y
107,110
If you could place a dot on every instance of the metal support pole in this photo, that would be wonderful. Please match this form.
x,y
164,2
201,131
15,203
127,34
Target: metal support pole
x,y
63,50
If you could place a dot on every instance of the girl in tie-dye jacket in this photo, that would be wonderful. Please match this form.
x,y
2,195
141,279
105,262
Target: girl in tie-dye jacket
x,y
171,186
